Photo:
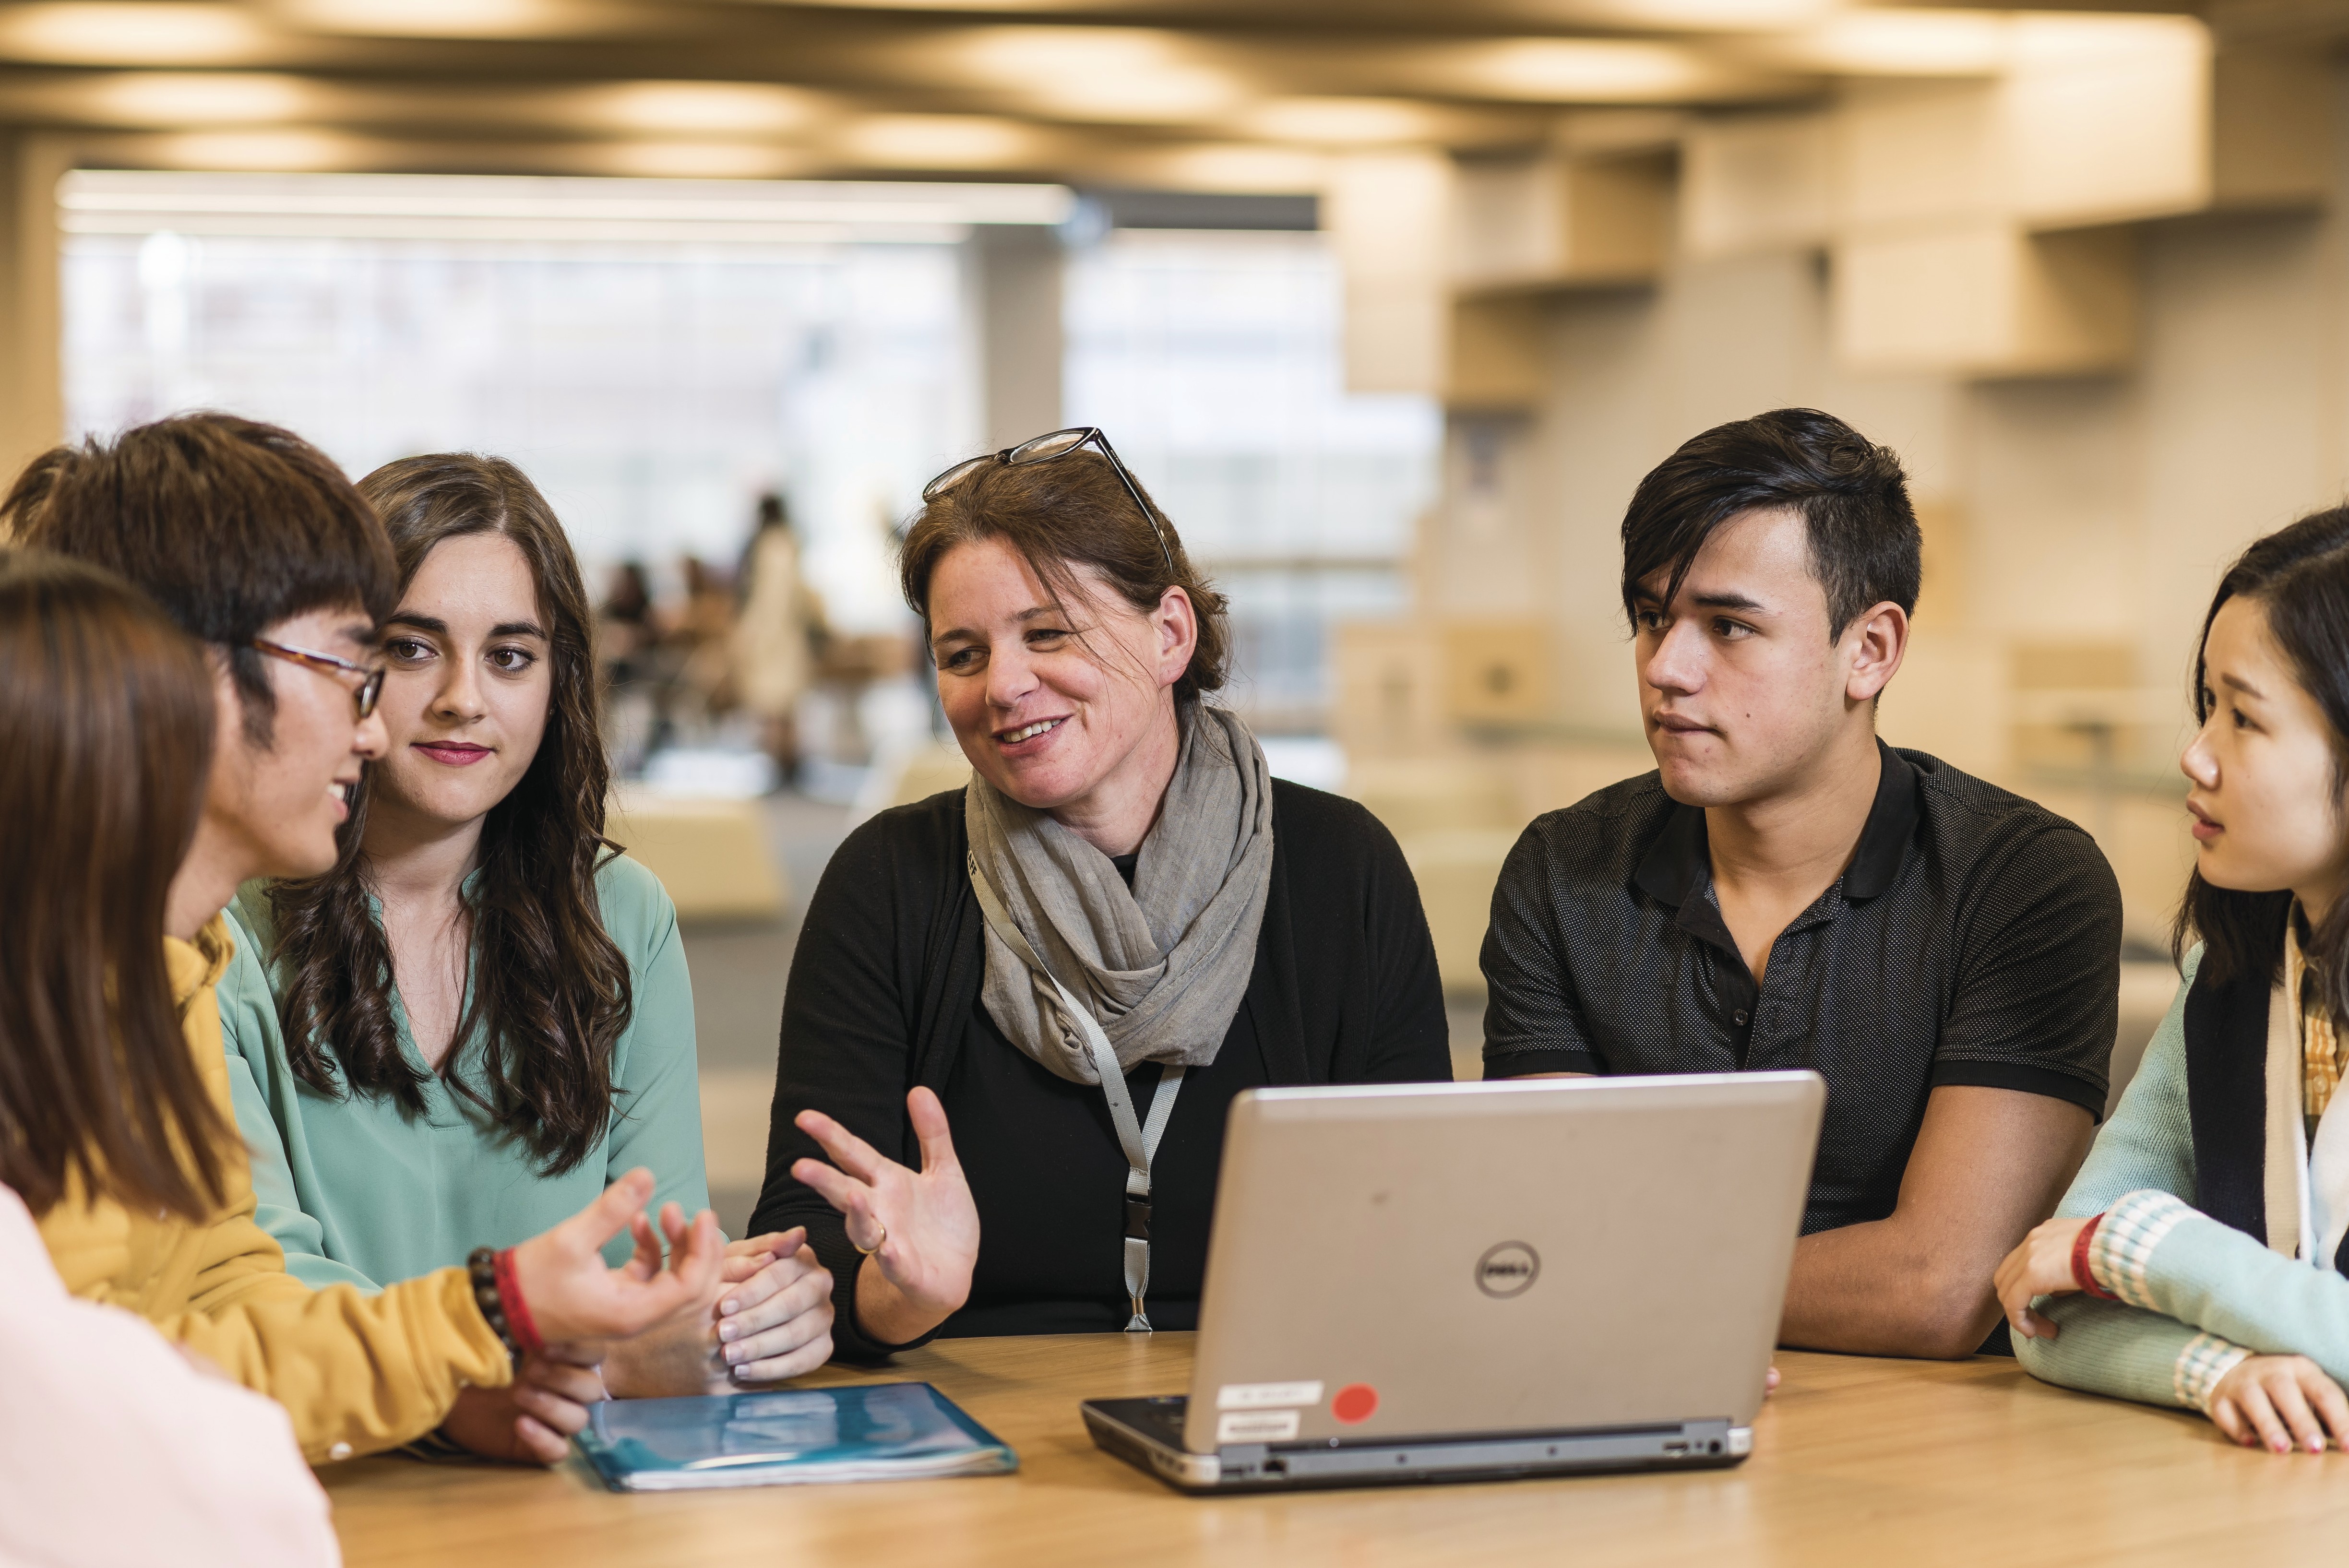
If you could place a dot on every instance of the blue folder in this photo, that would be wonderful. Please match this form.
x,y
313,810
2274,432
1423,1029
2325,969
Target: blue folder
x,y
887,1431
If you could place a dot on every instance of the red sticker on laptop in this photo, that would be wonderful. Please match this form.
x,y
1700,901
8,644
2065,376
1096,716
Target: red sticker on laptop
x,y
1355,1403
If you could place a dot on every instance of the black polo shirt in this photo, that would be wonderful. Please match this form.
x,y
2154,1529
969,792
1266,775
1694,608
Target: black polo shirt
x,y
1973,939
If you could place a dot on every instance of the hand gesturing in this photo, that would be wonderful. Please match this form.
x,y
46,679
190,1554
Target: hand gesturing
x,y
921,1227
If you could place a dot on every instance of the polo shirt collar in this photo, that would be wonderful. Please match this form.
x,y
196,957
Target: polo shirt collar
x,y
1680,862
1892,824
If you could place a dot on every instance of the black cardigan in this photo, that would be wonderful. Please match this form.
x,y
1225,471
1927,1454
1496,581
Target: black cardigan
x,y
884,995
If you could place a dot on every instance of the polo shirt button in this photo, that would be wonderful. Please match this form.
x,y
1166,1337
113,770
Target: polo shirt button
x,y
1739,1016
340,1451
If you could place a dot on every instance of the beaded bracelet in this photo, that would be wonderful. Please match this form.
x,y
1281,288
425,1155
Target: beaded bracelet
x,y
499,1296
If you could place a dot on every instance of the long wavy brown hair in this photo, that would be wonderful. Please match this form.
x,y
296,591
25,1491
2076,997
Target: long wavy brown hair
x,y
551,992
108,711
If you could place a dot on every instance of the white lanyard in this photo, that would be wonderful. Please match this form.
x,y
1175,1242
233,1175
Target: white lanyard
x,y
1139,1142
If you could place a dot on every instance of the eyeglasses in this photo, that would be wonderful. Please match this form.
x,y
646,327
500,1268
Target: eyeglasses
x,y
363,695
1043,450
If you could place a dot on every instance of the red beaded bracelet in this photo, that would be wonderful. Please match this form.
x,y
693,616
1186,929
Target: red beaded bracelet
x,y
518,1318
2082,1275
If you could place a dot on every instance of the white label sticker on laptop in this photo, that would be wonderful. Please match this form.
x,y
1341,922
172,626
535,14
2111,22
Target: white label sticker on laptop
x,y
1264,1395
1255,1426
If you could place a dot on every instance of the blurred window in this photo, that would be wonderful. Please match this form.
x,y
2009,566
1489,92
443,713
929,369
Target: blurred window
x,y
1214,361
651,387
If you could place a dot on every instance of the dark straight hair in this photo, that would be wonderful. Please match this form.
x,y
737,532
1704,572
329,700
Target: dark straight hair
x,y
549,993
1865,545
1068,513
230,524
2300,576
107,711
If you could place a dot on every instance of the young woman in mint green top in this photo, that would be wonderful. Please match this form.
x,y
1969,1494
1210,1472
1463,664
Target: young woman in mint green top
x,y
2199,1259
356,1188
482,1011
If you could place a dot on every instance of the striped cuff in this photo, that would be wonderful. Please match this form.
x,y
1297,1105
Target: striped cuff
x,y
2205,1360
2126,1239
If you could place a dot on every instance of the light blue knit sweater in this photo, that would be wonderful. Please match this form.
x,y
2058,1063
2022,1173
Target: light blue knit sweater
x,y
2197,1295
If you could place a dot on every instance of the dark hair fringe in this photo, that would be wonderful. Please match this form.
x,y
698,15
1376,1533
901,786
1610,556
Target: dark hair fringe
x,y
1865,545
2300,575
231,525
108,711
1059,515
551,993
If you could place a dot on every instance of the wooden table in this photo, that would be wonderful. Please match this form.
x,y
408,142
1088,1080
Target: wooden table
x,y
1855,1462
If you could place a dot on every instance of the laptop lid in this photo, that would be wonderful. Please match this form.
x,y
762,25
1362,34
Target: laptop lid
x,y
1392,1260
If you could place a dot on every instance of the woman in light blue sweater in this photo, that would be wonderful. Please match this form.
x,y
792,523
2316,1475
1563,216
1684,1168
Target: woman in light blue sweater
x,y
2197,1260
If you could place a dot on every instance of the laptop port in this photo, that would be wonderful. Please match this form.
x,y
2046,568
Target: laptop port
x,y
1677,1448
1713,1447
1274,1465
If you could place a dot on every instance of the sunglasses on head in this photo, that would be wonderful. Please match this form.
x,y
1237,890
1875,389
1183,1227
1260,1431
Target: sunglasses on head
x,y
1043,450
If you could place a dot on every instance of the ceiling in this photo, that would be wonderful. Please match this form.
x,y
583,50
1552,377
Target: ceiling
x,y
1233,95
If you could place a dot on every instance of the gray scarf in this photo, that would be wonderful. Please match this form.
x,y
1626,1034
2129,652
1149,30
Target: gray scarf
x,y
1161,966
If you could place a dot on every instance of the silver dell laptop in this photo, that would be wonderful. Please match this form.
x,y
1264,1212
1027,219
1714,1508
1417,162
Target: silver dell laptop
x,y
1468,1282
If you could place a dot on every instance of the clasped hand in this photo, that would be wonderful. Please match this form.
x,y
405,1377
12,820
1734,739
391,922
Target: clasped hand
x,y
686,1324
2281,1403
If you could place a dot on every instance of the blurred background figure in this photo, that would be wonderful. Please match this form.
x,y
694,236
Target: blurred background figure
x,y
627,638
700,638
779,634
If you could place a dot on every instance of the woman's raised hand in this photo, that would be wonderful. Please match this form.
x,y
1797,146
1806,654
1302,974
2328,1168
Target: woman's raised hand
x,y
919,1229
572,1297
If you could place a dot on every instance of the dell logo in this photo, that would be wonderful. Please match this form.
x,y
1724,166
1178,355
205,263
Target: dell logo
x,y
1507,1270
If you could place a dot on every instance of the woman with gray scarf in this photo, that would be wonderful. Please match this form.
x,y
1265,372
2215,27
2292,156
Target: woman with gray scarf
x,y
1019,1011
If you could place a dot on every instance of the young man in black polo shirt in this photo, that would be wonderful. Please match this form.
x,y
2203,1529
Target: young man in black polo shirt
x,y
1787,892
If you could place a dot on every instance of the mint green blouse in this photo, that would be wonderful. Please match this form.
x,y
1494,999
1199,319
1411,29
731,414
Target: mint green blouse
x,y
359,1191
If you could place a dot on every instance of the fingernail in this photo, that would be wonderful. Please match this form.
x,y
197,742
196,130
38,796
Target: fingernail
x,y
727,1307
726,1330
733,1354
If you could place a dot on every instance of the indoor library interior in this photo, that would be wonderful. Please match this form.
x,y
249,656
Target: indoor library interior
x,y
1218,781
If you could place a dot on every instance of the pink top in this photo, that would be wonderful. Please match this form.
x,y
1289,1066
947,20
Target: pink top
x,y
115,1448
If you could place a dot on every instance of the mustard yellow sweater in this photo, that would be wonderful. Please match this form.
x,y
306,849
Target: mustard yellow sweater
x,y
356,1373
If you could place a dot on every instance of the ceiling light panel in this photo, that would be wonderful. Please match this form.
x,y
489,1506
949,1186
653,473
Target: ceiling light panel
x,y
703,160
449,18
132,33
1340,121
939,141
1266,171
1677,15
195,98
1578,70
699,109
290,151
1898,43
1136,75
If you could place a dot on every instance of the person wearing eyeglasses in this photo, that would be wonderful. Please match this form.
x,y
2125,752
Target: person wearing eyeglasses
x,y
107,709
1019,1010
481,1015
255,545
